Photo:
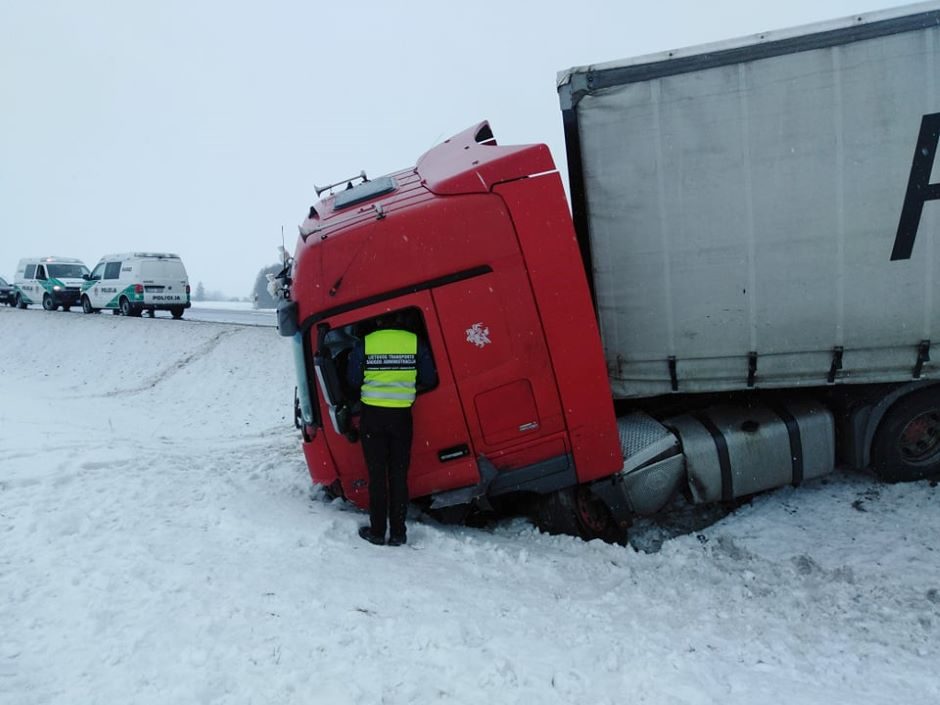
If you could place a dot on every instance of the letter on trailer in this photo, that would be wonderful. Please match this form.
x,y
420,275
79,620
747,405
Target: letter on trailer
x,y
919,188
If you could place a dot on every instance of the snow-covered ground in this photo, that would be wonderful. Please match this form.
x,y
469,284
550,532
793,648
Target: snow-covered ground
x,y
159,543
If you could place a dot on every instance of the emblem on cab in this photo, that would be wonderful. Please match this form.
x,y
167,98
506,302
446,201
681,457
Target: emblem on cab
x,y
479,335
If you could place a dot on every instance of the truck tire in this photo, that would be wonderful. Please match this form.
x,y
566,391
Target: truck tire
x,y
907,444
47,303
576,511
87,307
177,312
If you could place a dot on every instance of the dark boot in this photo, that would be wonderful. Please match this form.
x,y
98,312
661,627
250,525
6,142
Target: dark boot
x,y
365,532
397,540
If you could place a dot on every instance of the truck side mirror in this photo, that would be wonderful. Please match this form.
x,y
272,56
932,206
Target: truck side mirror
x,y
287,324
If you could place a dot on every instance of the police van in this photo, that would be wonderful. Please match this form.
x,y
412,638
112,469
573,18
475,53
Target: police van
x,y
50,281
134,282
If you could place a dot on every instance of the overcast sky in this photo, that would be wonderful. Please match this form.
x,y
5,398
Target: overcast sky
x,y
200,127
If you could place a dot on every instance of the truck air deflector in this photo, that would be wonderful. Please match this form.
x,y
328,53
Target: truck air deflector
x,y
312,320
472,162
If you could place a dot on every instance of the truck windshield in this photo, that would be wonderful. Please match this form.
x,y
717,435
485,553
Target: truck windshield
x,y
67,271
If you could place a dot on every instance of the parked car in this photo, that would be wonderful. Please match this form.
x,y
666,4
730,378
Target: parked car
x,y
7,295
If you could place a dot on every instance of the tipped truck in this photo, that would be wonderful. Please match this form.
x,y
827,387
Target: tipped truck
x,y
744,299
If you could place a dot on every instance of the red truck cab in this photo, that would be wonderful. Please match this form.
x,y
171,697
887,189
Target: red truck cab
x,y
474,248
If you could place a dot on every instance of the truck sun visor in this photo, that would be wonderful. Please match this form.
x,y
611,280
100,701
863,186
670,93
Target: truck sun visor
x,y
364,191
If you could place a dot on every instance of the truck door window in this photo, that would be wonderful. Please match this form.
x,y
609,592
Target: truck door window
x,y
331,360
330,363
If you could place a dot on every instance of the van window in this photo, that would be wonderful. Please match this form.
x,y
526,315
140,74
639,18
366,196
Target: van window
x,y
112,270
99,271
30,272
153,269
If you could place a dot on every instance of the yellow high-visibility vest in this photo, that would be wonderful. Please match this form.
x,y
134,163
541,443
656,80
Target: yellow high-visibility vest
x,y
391,370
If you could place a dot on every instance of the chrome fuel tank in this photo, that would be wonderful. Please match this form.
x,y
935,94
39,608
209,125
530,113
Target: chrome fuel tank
x,y
735,451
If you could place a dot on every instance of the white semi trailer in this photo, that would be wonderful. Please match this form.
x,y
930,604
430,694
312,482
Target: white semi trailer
x,y
759,219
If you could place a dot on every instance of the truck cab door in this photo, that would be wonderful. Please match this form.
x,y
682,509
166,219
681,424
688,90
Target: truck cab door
x,y
502,369
442,456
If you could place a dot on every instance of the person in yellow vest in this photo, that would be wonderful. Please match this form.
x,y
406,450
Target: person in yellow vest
x,y
388,366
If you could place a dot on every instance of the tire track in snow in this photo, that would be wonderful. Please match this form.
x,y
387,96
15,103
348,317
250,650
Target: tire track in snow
x,y
170,370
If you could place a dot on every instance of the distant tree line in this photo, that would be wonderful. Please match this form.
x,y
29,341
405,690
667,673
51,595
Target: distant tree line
x,y
200,293
260,295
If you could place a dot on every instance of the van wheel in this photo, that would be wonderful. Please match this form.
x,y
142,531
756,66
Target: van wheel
x,y
86,305
128,309
177,312
47,303
20,303
907,443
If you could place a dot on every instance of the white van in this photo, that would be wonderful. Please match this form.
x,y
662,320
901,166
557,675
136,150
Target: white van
x,y
134,282
50,281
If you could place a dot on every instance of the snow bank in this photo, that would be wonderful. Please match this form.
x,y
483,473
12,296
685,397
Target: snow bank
x,y
159,543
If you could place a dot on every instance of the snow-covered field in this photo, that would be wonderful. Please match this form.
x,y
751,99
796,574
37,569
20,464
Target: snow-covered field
x,y
159,543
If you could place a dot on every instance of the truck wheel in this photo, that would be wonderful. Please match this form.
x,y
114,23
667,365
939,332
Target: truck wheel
x,y
20,303
177,312
907,443
47,303
86,305
576,511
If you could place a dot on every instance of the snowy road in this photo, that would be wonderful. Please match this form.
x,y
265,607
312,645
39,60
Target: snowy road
x,y
159,543
225,312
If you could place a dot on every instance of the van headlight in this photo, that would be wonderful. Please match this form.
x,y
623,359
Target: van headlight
x,y
57,288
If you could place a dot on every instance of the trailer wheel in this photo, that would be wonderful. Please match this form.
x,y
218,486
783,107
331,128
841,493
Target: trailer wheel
x,y
576,511
47,303
907,443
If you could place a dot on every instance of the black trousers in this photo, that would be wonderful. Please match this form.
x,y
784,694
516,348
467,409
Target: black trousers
x,y
386,443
